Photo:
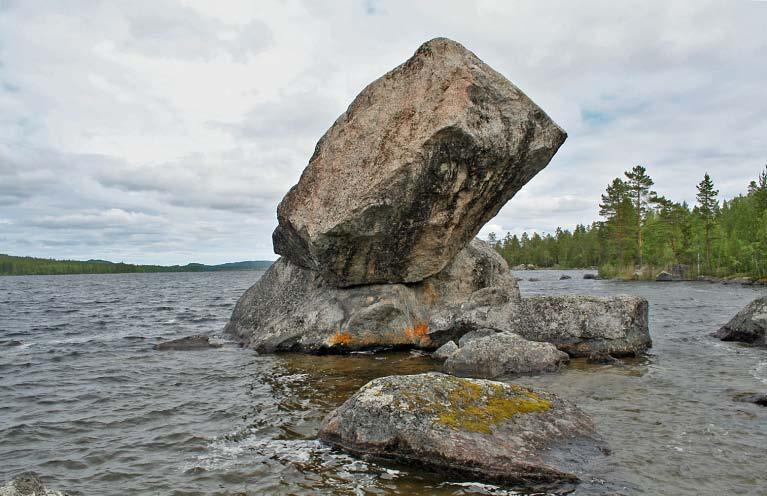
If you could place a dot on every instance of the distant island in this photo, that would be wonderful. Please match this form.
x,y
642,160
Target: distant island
x,y
21,266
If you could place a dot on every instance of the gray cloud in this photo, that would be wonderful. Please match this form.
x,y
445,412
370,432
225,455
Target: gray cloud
x,y
167,132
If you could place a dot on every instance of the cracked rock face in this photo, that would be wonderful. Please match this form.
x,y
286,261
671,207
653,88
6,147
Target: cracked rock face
x,y
419,162
477,429
748,326
293,309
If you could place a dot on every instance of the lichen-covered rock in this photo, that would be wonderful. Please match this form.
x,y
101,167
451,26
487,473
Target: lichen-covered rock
x,y
477,429
28,484
419,162
504,354
444,351
583,325
748,326
293,309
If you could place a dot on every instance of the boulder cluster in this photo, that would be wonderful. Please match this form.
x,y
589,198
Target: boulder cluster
x,y
378,251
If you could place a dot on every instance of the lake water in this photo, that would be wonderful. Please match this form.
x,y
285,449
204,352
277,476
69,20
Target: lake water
x,y
88,404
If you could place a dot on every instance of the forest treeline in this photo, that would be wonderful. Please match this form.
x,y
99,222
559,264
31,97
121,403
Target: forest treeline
x,y
642,229
17,266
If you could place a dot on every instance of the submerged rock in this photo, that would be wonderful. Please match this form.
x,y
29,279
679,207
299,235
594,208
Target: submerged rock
x,y
590,276
418,163
293,309
28,484
755,398
748,326
504,354
196,342
474,429
565,277
583,325
664,276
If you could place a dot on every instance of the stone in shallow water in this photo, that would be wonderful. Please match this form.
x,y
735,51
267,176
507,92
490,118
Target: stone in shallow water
x,y
197,342
470,428
419,162
748,326
584,325
504,354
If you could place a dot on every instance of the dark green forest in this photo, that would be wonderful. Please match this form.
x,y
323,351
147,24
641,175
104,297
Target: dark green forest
x,y
17,266
643,230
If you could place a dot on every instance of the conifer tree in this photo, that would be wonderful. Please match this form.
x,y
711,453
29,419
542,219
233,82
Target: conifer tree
x,y
707,207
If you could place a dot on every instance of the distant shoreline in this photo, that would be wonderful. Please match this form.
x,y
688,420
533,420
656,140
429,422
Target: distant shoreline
x,y
31,266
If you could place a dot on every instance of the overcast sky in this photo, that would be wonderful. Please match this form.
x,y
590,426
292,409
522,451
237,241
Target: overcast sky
x,y
167,131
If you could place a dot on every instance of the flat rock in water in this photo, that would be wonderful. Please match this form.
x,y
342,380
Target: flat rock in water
x,y
584,325
197,342
748,326
468,428
293,309
504,354
419,162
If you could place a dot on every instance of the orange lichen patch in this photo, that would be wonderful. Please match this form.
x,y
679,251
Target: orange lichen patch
x,y
341,338
418,332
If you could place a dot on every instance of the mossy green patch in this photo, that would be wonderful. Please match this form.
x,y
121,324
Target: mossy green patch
x,y
475,407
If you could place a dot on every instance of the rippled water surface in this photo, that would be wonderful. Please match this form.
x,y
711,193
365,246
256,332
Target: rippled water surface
x,y
88,404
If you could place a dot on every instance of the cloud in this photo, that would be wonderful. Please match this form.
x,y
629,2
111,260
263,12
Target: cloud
x,y
168,131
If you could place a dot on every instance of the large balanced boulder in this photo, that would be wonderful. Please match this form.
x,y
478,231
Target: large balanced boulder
x,y
419,162
503,354
586,325
294,309
748,326
477,429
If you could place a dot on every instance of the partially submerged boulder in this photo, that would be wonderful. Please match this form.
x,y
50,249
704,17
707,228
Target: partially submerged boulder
x,y
748,326
197,342
583,325
504,354
475,429
664,276
419,162
755,398
293,309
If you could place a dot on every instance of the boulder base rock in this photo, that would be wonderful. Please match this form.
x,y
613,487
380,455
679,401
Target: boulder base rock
x,y
293,309
418,163
748,326
504,354
583,325
477,429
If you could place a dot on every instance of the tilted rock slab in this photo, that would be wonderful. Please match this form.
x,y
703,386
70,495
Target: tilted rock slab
x,y
748,326
419,162
503,354
475,429
293,309
585,325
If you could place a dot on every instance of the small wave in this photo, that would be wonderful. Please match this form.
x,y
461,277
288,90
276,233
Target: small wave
x,y
760,371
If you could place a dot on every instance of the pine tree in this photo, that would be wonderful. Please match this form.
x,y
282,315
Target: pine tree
x,y
707,207
616,209
638,184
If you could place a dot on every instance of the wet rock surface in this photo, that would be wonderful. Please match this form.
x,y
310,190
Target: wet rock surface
x,y
294,309
418,163
503,354
755,398
583,325
470,428
748,326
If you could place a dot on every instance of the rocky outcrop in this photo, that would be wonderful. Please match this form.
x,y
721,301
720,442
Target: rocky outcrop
x,y
478,429
503,354
293,309
584,325
197,342
748,326
28,484
418,163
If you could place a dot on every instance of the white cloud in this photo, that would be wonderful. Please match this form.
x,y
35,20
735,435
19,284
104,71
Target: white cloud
x,y
168,131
